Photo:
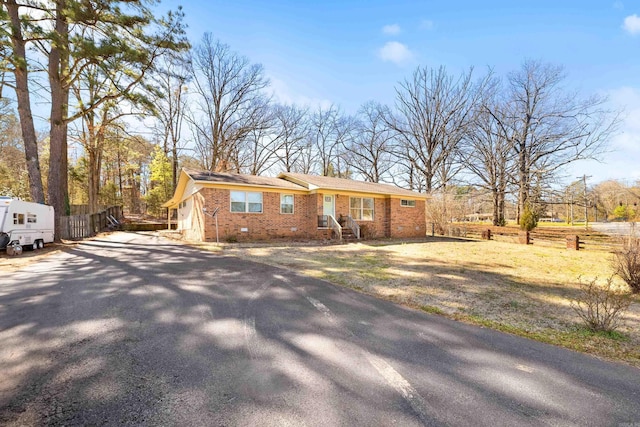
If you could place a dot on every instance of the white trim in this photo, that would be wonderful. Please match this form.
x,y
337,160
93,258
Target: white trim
x,y
246,202
373,208
293,203
333,204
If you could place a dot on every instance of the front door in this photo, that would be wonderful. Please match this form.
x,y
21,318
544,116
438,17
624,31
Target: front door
x,y
329,205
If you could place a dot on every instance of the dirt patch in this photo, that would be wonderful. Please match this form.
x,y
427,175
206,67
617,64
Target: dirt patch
x,y
28,257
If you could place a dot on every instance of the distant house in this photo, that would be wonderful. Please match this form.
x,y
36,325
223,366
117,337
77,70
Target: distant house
x,y
292,205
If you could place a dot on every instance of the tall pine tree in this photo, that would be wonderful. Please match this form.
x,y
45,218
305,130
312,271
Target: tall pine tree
x,y
122,38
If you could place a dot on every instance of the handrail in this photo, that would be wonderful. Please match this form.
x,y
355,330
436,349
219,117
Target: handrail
x,y
353,226
335,226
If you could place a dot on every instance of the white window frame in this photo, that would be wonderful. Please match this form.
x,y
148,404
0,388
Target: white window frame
x,y
361,209
292,204
408,203
246,201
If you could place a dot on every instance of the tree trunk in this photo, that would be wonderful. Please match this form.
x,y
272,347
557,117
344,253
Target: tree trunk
x,y
174,165
496,207
502,191
58,162
93,180
24,105
523,184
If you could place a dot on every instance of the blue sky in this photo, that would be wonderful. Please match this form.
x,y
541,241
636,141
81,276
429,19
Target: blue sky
x,y
348,52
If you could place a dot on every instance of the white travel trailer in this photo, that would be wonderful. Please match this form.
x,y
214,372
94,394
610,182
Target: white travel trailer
x,y
24,224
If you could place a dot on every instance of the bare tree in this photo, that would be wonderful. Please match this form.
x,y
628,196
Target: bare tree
x,y
330,132
434,112
170,102
257,150
551,126
345,133
231,102
306,161
370,152
98,125
489,155
609,195
291,129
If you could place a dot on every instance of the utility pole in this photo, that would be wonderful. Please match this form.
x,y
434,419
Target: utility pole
x,y
586,204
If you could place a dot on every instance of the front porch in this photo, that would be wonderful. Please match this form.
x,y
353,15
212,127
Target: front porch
x,y
343,229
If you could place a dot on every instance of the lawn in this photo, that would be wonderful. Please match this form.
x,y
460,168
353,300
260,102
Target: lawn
x,y
524,290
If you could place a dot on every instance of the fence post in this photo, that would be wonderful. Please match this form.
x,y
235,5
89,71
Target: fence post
x,y
573,243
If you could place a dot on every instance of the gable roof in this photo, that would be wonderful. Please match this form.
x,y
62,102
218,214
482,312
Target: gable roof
x,y
317,182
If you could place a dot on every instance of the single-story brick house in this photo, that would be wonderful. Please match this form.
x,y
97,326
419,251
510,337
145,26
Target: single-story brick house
x,y
225,206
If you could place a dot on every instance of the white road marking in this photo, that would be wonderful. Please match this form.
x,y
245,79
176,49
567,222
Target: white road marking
x,y
249,329
249,321
400,384
390,375
320,306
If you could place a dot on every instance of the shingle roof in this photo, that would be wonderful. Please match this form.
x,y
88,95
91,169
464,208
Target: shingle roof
x,y
232,178
299,181
341,184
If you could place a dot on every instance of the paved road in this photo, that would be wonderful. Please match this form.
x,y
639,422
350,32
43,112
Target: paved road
x,y
623,229
131,329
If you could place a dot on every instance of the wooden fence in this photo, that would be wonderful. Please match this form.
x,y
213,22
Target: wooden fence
x,y
77,227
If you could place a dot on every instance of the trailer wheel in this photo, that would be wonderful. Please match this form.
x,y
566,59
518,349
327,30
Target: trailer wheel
x,y
17,249
10,251
40,244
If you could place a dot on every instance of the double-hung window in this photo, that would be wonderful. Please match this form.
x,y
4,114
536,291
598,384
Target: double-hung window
x,y
286,203
246,201
361,208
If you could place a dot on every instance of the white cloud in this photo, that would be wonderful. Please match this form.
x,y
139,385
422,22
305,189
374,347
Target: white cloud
x,y
427,24
391,30
632,24
395,52
285,95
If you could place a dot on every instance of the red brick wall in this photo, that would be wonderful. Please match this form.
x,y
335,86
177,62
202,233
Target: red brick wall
x,y
390,219
406,221
270,224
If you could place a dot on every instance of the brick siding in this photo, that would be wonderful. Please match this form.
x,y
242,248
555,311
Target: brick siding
x,y
390,218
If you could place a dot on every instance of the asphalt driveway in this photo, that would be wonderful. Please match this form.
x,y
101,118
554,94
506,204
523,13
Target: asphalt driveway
x,y
132,329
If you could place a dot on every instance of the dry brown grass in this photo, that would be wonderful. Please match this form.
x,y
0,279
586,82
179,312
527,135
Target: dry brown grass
x,y
526,290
